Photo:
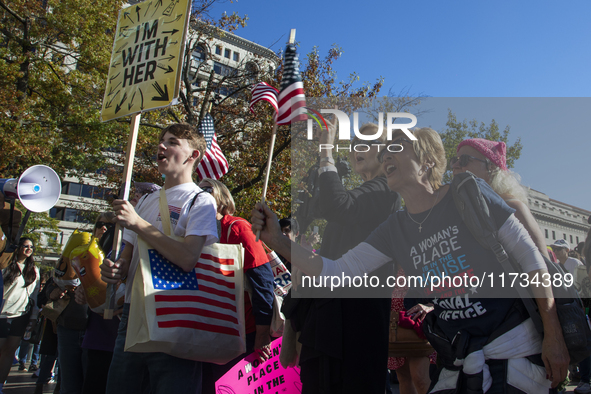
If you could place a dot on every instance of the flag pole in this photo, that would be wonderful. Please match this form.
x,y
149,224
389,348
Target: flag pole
x,y
123,195
272,145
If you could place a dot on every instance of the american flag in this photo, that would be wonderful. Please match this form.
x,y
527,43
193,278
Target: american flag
x,y
175,212
214,164
203,299
292,102
266,92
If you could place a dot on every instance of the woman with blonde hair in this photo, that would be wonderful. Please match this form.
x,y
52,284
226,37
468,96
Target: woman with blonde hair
x,y
483,338
258,305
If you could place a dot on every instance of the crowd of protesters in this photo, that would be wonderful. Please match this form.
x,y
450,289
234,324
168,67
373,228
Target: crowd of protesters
x,y
344,342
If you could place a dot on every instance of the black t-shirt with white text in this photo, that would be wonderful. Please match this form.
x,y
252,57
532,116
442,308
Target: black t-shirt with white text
x,y
445,246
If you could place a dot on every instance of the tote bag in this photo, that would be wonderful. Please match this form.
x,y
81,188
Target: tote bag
x,y
197,315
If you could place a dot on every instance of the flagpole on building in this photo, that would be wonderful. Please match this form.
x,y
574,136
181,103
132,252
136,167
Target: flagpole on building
x,y
272,145
123,195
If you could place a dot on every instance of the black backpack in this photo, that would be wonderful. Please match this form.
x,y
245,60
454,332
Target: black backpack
x,y
475,213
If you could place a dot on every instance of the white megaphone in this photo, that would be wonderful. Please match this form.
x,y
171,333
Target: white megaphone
x,y
38,188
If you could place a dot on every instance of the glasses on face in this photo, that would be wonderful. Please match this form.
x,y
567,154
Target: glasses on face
x,y
27,247
398,141
207,189
465,160
101,224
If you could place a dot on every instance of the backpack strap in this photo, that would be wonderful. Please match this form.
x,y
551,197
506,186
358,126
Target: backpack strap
x,y
230,228
475,213
195,198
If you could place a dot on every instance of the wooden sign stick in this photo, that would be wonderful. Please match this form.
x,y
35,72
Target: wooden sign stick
x,y
123,195
272,145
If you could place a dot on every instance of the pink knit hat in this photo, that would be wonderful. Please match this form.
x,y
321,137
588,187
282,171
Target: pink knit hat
x,y
494,151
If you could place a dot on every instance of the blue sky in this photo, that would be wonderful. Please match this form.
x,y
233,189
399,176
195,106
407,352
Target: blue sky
x,y
463,49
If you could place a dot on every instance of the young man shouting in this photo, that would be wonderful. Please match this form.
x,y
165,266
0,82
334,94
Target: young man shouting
x,y
180,149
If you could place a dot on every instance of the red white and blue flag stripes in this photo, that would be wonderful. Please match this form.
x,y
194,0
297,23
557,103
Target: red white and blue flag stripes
x,y
203,299
292,101
262,91
214,164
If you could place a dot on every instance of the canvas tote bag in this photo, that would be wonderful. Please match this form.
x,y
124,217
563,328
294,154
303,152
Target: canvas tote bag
x,y
196,316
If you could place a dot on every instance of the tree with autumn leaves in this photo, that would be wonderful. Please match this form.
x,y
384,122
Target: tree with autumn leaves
x,y
54,62
54,56
54,59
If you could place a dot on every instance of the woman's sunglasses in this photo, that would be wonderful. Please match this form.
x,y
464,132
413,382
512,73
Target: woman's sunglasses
x,y
465,160
28,247
101,224
208,189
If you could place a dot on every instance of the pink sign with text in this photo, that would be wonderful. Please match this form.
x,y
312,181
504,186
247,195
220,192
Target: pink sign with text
x,y
250,376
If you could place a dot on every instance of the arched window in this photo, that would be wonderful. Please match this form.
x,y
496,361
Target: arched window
x,y
252,72
199,54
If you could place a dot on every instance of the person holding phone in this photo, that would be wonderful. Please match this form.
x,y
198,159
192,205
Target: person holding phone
x,y
338,355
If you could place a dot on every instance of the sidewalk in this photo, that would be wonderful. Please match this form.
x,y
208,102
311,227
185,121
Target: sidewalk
x,y
20,382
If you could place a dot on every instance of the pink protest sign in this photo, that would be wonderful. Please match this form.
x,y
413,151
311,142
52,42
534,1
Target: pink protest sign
x,y
250,376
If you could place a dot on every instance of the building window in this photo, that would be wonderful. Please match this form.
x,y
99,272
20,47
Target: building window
x,y
227,53
553,235
199,54
546,233
76,189
56,213
68,214
218,50
223,90
577,239
571,239
236,57
224,70
564,236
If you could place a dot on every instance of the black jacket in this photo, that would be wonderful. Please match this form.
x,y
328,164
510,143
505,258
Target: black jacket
x,y
350,335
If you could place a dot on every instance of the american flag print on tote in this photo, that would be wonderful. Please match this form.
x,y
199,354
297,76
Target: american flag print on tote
x,y
214,164
292,101
203,299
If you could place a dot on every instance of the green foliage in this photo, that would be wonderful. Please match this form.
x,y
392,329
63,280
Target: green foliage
x,y
457,131
53,69
53,64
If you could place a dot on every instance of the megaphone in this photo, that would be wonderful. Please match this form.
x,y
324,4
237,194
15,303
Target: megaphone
x,y
38,188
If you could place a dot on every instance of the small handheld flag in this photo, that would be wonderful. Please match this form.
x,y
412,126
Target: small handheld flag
x,y
292,101
214,164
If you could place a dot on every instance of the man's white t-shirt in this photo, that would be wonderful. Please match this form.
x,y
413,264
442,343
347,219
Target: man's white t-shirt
x,y
571,264
199,220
